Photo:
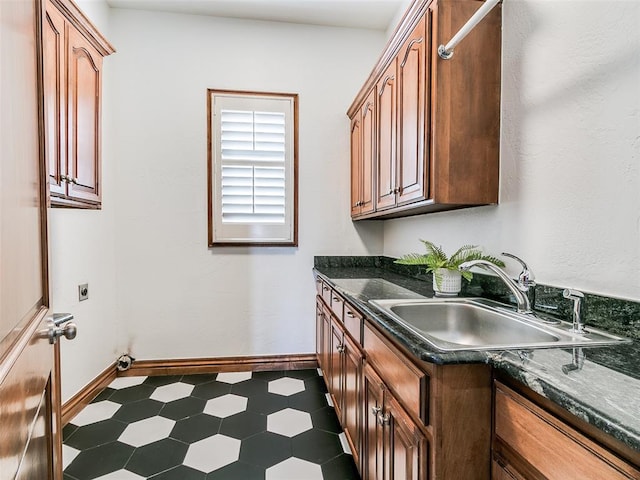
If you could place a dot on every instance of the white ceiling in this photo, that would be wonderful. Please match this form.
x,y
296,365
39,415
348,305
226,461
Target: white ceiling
x,y
373,14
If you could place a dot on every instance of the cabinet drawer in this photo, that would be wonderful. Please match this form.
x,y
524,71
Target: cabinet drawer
x,y
337,304
353,322
407,381
550,446
326,293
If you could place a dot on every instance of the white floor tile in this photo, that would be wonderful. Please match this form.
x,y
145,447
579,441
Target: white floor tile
x,y
286,386
121,475
212,453
126,382
226,405
171,392
68,455
329,401
345,444
147,431
294,469
233,377
95,412
289,422
319,371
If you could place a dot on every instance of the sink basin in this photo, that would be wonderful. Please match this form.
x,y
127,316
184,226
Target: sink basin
x,y
480,324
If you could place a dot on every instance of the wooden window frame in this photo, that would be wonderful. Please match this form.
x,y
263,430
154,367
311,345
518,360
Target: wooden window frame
x,y
212,241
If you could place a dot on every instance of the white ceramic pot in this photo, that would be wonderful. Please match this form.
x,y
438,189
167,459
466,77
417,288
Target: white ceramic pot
x,y
447,282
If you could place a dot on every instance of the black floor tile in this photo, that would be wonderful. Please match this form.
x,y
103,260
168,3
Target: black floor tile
x,y
302,374
68,429
240,471
269,375
181,472
211,390
99,461
157,457
308,401
183,408
316,446
250,387
267,403
161,380
341,467
315,383
103,395
243,425
134,411
199,378
132,394
96,434
198,427
326,419
265,449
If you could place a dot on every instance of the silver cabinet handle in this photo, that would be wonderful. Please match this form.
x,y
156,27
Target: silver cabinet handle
x,y
350,315
384,419
340,348
375,411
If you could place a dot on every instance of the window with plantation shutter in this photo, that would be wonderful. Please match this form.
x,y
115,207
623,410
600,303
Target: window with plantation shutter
x,y
252,168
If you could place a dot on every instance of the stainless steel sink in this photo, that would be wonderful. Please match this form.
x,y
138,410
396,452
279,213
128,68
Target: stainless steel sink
x,y
480,324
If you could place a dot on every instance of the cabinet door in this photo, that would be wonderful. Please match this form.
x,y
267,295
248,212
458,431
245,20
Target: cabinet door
x,y
412,148
405,446
326,346
356,164
84,65
368,152
54,75
498,472
386,165
319,333
336,359
351,394
372,447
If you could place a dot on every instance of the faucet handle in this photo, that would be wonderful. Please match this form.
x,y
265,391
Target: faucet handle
x,y
526,277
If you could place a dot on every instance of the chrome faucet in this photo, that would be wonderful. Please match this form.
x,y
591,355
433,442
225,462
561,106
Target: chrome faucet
x,y
577,297
524,306
525,278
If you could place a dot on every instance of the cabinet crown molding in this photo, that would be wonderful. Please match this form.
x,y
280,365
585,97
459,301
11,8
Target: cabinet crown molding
x,y
80,21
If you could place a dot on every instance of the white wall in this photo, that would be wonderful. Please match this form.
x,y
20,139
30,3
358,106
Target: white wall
x,y
176,297
570,155
82,250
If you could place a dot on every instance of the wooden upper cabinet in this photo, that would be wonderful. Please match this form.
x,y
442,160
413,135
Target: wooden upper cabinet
x,y
72,65
438,121
413,156
387,122
363,148
369,140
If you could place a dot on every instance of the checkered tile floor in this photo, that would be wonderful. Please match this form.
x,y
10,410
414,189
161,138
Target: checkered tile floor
x,y
243,425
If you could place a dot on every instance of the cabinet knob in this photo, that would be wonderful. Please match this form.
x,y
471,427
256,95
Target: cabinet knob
x,y
375,411
384,419
350,315
340,348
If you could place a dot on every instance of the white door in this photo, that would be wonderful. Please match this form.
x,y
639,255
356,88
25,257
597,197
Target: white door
x,y
29,403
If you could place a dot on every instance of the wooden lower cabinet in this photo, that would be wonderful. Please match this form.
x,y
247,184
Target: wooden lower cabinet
x,y
340,358
394,445
404,419
531,443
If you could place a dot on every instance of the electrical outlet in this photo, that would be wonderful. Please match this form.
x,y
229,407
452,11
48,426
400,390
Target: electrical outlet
x,y
83,291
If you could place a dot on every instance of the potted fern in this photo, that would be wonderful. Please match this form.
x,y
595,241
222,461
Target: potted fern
x,y
447,278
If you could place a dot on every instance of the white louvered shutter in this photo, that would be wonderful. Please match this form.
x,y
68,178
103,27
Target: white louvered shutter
x,y
253,166
253,169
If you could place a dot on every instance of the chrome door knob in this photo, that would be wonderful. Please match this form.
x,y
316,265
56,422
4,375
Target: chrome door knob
x,y
60,325
69,330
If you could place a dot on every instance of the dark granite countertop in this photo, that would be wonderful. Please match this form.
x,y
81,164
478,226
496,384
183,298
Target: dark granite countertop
x,y
604,391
